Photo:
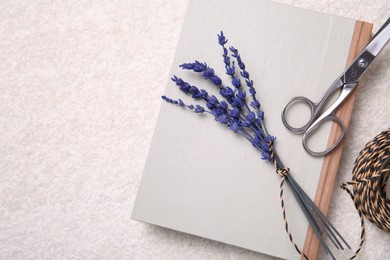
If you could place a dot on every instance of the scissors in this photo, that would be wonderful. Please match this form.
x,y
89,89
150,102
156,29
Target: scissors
x,y
346,82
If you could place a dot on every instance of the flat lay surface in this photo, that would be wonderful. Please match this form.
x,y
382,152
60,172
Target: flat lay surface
x,y
80,87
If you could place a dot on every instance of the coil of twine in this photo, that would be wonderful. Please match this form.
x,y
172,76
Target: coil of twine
x,y
368,186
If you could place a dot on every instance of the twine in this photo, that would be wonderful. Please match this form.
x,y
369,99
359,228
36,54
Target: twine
x,y
369,178
283,173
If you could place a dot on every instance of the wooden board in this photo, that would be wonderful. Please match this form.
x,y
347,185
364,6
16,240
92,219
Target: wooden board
x,y
361,36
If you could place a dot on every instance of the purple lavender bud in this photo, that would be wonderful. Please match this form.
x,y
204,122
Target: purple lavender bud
x,y
252,91
234,51
199,109
210,106
181,103
249,119
237,103
235,113
240,63
203,94
167,99
208,73
235,126
227,93
256,141
241,95
199,67
195,66
216,112
265,147
221,39
255,104
249,83
238,58
177,80
212,102
244,74
246,123
222,119
269,139
216,80
226,60
195,92
230,70
225,52
223,105
187,66
265,155
214,99
236,82
260,115
185,88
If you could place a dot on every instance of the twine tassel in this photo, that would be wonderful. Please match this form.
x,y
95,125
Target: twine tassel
x,y
317,220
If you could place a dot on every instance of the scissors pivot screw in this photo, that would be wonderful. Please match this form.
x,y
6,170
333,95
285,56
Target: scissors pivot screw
x,y
362,63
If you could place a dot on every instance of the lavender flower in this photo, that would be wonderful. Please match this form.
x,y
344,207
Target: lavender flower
x,y
199,109
235,126
167,99
212,103
184,86
188,89
208,73
236,82
230,69
241,121
222,39
227,93
245,74
249,119
235,113
255,104
195,66
180,103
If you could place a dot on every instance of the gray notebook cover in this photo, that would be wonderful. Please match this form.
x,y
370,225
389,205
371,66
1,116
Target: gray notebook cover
x,y
201,178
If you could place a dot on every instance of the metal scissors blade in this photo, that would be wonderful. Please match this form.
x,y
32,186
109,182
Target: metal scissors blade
x,y
346,82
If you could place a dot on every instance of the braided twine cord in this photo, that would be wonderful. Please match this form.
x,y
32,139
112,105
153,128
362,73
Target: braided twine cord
x,y
369,178
283,172
370,174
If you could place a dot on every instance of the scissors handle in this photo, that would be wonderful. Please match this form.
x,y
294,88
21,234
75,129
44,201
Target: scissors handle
x,y
302,100
315,126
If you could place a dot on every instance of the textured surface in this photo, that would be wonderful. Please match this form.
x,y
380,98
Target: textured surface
x,y
80,86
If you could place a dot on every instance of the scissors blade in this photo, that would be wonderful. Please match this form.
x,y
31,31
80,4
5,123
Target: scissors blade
x,y
380,39
356,70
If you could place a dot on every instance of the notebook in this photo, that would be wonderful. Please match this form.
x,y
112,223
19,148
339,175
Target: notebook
x,y
200,178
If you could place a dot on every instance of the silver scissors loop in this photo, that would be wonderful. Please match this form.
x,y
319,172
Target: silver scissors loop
x,y
346,82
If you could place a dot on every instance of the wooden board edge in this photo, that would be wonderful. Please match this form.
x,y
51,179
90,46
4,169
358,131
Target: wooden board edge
x,y
330,165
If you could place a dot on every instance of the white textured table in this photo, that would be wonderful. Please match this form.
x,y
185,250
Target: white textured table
x,y
80,86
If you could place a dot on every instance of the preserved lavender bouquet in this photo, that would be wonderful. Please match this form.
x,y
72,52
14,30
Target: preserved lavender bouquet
x,y
232,110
